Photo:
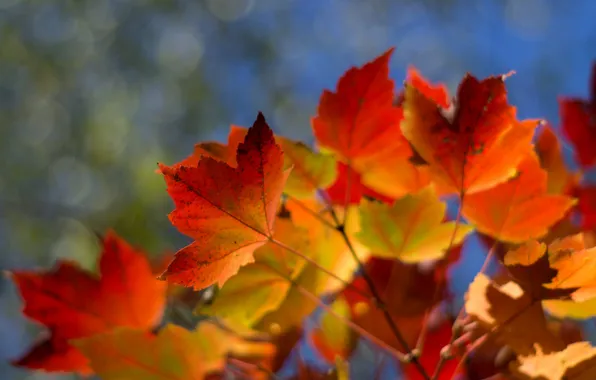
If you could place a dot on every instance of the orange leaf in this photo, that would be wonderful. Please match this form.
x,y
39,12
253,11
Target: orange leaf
x,y
229,211
360,124
73,303
519,209
548,149
472,145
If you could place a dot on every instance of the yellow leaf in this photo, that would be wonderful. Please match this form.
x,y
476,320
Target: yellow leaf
x,y
411,230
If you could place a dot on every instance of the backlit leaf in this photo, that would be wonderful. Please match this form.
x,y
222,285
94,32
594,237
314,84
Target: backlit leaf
x,y
410,230
73,303
474,144
229,211
360,125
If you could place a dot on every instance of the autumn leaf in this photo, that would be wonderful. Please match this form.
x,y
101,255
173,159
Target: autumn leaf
x,y
519,209
576,362
578,120
507,311
174,353
474,144
410,230
259,287
333,338
360,125
73,303
229,211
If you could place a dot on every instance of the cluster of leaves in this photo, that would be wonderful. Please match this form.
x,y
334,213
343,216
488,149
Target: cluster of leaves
x,y
356,230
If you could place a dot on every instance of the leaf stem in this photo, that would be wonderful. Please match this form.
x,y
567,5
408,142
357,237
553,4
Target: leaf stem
x,y
379,304
321,268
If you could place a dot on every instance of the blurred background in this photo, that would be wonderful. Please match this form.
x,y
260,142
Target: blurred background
x,y
94,93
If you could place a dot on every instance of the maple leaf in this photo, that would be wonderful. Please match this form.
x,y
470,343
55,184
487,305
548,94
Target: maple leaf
x,y
410,230
333,338
259,288
229,211
519,209
465,144
174,353
508,312
73,303
360,125
576,362
578,120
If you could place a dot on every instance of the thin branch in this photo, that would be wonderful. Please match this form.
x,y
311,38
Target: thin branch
x,y
346,284
456,324
376,297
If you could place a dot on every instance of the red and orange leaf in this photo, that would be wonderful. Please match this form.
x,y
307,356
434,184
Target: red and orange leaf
x,y
360,124
73,303
174,353
519,209
229,211
578,120
474,144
